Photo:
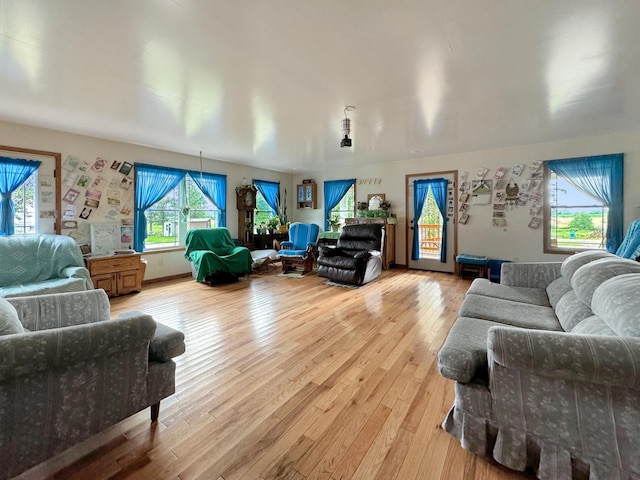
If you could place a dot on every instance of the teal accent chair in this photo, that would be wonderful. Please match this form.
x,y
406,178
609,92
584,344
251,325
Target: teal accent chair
x,y
301,247
214,255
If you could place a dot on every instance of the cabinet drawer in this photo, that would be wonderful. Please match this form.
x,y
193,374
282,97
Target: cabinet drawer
x,y
114,264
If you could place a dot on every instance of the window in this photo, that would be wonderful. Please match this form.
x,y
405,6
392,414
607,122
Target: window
x,y
339,195
430,228
175,200
576,220
267,201
263,211
583,204
25,205
183,208
346,206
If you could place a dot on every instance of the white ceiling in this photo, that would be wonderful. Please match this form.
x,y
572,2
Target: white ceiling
x,y
265,83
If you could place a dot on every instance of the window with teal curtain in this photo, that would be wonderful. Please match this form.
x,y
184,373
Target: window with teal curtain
x,y
152,184
214,187
270,191
334,190
13,173
438,187
601,177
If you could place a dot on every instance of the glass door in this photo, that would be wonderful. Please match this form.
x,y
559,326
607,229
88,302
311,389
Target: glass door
x,y
430,226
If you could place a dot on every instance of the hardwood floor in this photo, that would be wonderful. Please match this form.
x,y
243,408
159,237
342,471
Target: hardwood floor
x,y
287,378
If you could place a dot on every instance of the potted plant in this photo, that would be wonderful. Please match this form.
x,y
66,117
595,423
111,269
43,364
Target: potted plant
x,y
273,223
334,223
362,209
385,205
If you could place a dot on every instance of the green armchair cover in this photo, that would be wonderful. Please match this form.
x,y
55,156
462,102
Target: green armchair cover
x,y
213,250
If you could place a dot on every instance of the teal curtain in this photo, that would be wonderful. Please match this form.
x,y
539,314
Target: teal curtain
x,y
152,184
214,187
438,187
13,173
270,191
334,190
601,177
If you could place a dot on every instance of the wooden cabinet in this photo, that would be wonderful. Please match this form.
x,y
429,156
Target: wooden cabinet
x,y
265,241
306,195
389,246
117,274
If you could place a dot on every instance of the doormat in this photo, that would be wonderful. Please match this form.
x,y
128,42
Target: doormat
x,y
290,275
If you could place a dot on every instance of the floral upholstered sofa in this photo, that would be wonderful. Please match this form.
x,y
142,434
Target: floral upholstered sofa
x,y
547,368
38,264
69,371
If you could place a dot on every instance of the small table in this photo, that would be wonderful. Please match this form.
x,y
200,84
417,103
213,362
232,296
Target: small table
x,y
473,265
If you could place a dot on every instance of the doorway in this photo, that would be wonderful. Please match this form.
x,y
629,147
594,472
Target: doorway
x,y
436,229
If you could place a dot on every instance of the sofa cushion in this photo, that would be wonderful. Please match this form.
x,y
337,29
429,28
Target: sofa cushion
x,y
556,290
571,311
9,321
508,312
574,262
54,285
617,303
463,355
534,296
593,326
589,277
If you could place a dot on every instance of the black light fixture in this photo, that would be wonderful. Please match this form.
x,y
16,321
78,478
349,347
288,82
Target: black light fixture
x,y
346,127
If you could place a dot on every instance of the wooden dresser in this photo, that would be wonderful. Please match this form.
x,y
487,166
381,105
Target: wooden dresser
x,y
117,274
389,247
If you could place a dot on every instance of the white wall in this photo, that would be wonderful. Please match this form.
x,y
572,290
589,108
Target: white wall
x,y
88,148
478,236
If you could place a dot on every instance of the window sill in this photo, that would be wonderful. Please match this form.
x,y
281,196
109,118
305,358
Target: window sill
x,y
164,250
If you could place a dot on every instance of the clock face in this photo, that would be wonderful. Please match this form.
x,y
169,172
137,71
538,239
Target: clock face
x,y
248,198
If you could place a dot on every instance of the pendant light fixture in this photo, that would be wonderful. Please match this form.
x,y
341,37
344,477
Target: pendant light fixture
x,y
346,127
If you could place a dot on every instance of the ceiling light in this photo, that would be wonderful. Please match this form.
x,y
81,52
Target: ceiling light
x,y
346,127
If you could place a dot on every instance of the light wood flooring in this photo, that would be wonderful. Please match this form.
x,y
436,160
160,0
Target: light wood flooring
x,y
287,378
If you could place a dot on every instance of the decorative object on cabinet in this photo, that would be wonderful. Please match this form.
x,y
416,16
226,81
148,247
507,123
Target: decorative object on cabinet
x,y
117,274
246,204
389,244
306,195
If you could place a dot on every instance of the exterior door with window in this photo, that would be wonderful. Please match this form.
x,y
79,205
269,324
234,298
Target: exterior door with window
x,y
430,226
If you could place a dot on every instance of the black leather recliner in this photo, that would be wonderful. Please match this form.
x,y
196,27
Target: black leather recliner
x,y
357,257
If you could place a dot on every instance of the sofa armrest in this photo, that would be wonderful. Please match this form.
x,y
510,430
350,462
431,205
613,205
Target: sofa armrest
x,y
596,359
166,342
535,275
78,272
27,353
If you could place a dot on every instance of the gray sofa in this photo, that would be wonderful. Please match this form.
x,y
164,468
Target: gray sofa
x,y
547,368
75,371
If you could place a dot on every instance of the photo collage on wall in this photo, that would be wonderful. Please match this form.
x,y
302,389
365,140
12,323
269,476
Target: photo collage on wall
x,y
505,191
96,191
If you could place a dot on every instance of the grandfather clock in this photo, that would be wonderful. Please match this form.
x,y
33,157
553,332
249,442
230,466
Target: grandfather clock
x,y
246,198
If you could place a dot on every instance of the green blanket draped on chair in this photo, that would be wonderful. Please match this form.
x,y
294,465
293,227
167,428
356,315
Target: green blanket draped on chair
x,y
213,250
